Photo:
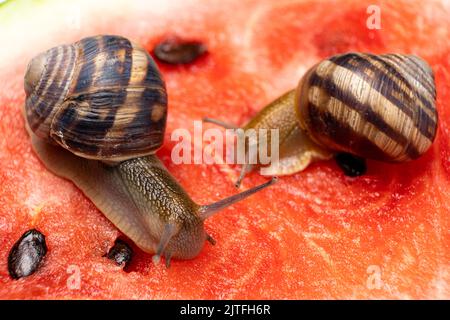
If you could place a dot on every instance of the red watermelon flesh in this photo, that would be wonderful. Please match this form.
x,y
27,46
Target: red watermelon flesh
x,y
315,234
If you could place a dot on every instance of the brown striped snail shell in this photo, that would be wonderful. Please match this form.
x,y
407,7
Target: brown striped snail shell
x,y
101,98
379,107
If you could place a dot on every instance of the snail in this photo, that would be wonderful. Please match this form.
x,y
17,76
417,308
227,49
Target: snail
x,y
96,113
379,107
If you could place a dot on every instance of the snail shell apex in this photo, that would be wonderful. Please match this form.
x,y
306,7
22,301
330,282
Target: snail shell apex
x,y
375,106
101,98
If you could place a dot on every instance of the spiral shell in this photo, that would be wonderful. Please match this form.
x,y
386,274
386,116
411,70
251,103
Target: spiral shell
x,y
375,106
101,98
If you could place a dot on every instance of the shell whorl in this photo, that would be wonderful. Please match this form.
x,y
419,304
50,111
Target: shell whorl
x,y
47,81
376,106
101,98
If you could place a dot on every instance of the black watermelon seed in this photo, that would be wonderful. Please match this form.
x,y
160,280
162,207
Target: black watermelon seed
x,y
26,255
352,166
121,253
178,51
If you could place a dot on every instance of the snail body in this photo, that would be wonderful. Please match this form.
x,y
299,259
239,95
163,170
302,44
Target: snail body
x,y
96,113
379,107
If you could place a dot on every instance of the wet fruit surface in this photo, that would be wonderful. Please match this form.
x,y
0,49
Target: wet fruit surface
x,y
315,234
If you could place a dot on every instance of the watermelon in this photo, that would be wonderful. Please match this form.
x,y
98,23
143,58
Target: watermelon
x,y
317,234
